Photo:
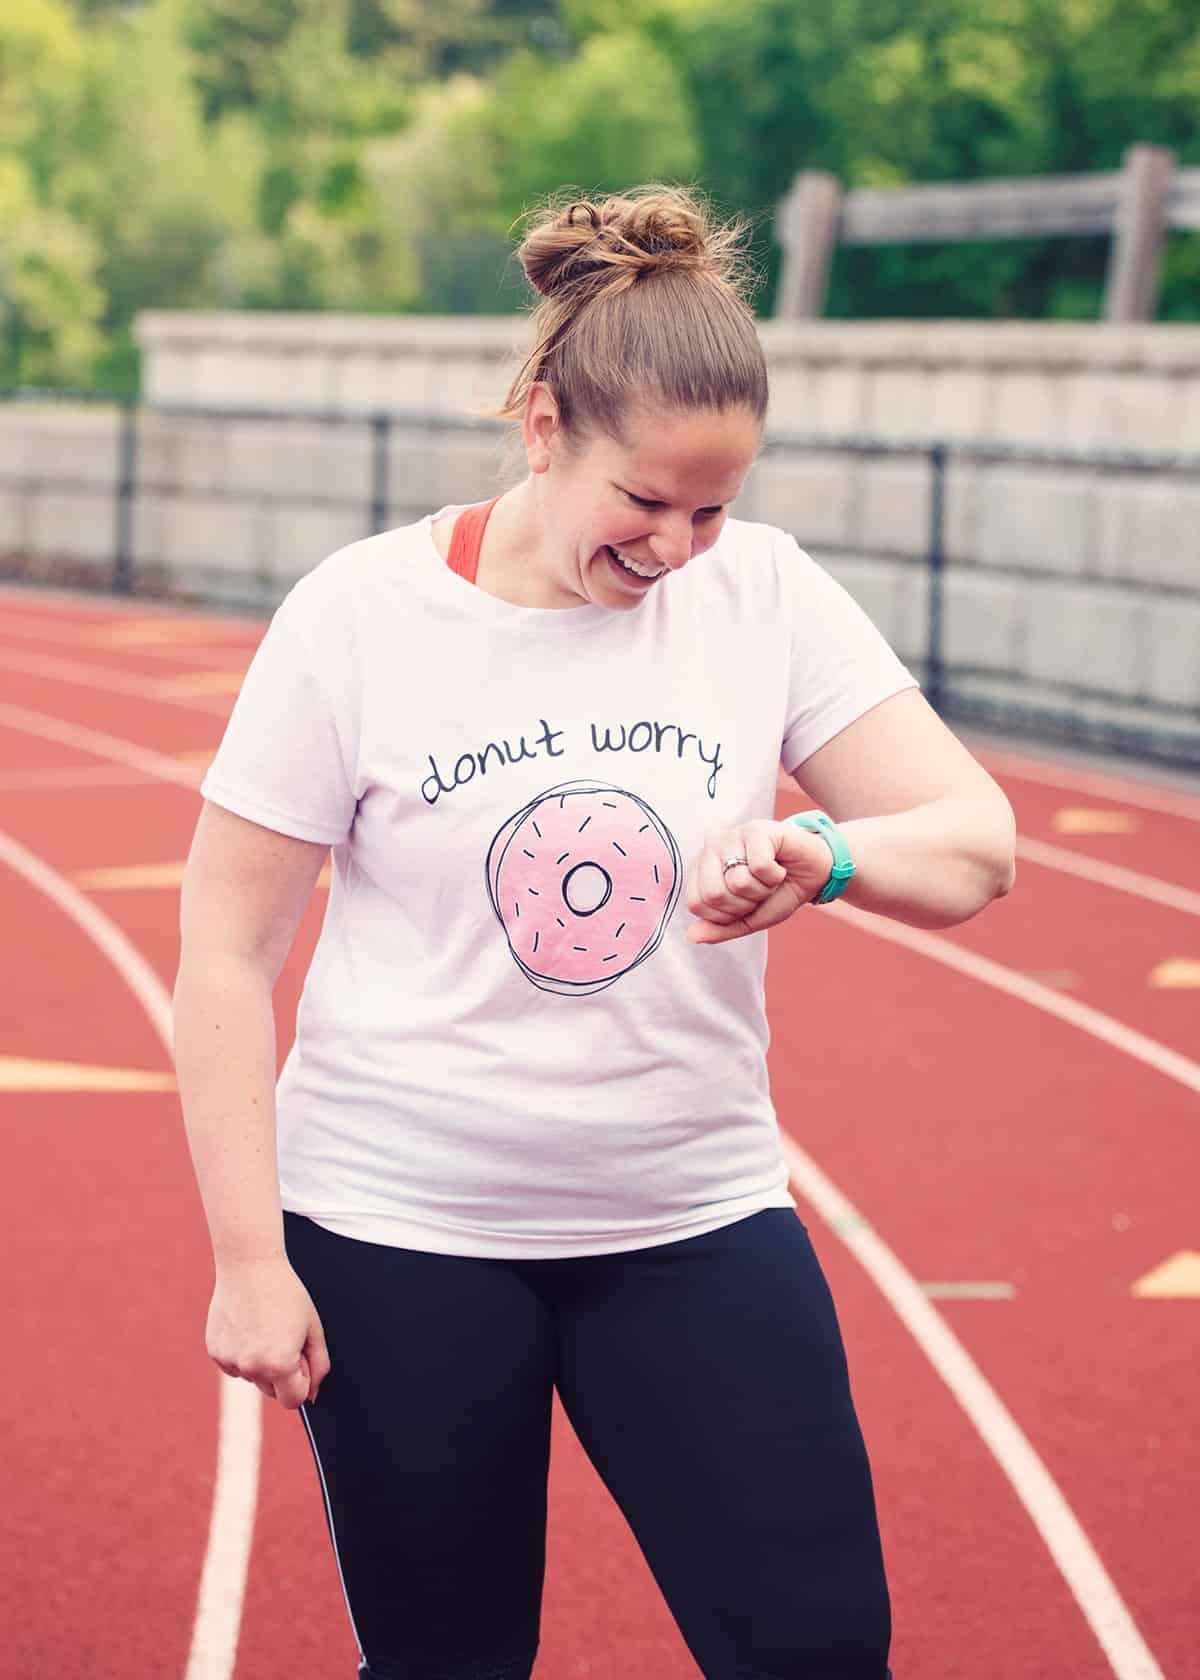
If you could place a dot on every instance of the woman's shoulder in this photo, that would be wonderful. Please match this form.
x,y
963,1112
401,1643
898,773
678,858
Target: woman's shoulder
x,y
754,535
351,576
749,548
771,547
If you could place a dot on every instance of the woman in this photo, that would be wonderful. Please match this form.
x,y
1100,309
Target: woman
x,y
524,1139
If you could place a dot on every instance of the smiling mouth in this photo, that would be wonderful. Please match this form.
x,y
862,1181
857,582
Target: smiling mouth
x,y
627,569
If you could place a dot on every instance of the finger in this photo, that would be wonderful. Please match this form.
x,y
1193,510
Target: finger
x,y
319,1363
697,902
294,1388
733,889
742,890
725,893
782,903
761,851
702,932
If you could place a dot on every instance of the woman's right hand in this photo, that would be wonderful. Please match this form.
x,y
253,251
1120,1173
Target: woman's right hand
x,y
263,1327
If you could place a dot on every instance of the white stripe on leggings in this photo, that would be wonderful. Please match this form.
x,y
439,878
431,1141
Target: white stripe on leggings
x,y
333,1534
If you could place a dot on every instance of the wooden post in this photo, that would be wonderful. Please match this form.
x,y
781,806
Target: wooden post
x,y
806,226
1135,256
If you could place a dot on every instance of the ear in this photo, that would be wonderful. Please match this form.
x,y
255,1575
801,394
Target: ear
x,y
539,425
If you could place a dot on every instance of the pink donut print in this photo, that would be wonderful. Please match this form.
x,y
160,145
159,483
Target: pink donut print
x,y
583,880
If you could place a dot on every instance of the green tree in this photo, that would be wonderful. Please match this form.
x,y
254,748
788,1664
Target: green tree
x,y
139,173
395,44
439,189
477,154
51,300
48,288
614,114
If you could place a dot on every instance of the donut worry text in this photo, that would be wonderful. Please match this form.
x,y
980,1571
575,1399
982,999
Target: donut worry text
x,y
643,736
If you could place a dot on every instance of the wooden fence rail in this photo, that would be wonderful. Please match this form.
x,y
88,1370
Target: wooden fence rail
x,y
1136,204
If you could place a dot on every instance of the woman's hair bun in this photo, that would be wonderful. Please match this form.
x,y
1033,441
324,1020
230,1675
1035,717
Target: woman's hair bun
x,y
582,244
604,342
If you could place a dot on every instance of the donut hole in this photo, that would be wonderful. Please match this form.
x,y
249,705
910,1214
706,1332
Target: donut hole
x,y
586,889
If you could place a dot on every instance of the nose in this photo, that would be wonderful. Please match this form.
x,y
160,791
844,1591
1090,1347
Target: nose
x,y
671,545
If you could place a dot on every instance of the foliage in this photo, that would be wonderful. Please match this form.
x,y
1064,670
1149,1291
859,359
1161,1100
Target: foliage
x,y
477,153
379,154
50,299
879,92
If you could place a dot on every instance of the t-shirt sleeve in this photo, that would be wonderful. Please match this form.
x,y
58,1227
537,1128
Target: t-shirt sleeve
x,y
841,664
288,753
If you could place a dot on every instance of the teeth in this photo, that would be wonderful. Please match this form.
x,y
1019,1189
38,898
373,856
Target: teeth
x,y
636,566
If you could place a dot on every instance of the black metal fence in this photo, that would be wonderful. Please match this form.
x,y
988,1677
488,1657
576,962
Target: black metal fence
x,y
1172,737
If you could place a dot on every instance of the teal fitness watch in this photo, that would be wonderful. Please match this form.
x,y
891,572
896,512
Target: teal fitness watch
x,y
843,864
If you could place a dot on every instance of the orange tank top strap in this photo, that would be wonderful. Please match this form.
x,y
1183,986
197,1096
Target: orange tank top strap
x,y
466,539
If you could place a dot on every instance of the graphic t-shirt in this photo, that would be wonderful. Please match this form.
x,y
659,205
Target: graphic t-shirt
x,y
505,1045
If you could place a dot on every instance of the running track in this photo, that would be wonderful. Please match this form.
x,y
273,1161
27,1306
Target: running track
x,y
995,1137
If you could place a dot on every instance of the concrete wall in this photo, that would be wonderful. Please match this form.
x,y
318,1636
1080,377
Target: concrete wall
x,y
1063,385
1069,589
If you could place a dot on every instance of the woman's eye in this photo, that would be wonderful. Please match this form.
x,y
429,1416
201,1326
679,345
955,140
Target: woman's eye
x,y
640,501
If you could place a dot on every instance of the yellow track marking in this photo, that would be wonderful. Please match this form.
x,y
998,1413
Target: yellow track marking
x,y
1176,972
204,682
162,630
134,877
1176,1279
17,1074
1082,819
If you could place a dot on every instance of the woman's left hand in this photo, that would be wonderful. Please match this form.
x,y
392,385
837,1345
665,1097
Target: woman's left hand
x,y
785,867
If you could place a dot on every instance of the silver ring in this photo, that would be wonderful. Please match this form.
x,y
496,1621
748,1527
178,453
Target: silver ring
x,y
730,862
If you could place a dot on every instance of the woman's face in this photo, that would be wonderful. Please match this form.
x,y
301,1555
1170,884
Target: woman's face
x,y
617,520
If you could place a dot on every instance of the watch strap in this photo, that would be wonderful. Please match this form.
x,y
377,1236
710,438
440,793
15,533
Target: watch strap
x,y
818,822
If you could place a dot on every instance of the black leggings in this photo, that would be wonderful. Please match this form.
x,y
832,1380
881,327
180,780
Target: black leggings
x,y
707,1383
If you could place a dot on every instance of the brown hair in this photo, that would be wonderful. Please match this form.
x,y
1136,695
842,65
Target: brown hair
x,y
644,302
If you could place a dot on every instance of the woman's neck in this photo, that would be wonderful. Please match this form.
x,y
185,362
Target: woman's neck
x,y
512,563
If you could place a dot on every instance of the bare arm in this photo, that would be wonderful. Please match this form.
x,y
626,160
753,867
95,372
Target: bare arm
x,y
931,834
244,892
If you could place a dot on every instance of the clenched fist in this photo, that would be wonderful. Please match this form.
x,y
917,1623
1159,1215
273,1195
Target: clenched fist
x,y
264,1328
785,868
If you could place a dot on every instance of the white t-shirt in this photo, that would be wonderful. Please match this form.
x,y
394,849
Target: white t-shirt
x,y
505,1044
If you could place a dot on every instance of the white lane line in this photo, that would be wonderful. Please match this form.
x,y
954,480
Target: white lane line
x,y
969,1291
1128,1654
95,741
1130,1658
113,681
1110,875
1115,788
235,1496
1125,1039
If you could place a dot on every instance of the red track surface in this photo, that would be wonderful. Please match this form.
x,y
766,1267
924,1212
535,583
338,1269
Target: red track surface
x,y
983,1140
